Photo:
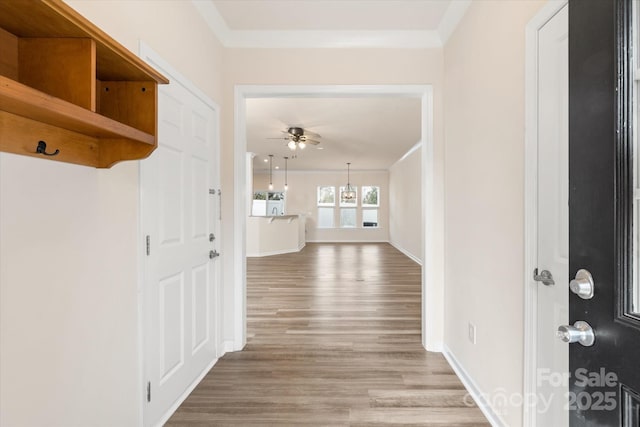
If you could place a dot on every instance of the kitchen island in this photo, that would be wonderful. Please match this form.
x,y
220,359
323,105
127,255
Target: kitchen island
x,y
273,235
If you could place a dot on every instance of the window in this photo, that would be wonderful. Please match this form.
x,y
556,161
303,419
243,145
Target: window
x,y
370,217
325,217
326,196
267,203
370,204
348,217
370,196
352,202
633,289
346,213
326,209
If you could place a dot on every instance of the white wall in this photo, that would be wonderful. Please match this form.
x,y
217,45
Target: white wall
x,y
301,198
484,174
405,213
69,252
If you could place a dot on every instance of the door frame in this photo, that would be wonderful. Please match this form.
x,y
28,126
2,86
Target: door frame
x,y
433,269
531,204
150,56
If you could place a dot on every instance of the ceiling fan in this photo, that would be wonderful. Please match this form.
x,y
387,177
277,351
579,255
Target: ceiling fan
x,y
298,137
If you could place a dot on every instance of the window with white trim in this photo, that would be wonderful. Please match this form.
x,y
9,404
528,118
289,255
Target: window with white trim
x,y
370,205
326,206
348,217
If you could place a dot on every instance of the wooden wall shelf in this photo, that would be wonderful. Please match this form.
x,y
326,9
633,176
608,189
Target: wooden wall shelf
x,y
65,82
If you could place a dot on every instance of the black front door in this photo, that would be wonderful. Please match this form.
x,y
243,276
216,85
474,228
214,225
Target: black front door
x,y
605,377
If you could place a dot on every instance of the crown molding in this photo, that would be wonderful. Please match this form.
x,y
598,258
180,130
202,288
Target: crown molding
x,y
411,39
452,17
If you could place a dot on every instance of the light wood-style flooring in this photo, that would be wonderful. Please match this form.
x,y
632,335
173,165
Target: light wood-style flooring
x,y
334,340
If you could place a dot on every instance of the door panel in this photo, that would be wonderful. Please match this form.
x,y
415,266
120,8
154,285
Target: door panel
x,y
180,278
171,325
553,217
600,210
200,321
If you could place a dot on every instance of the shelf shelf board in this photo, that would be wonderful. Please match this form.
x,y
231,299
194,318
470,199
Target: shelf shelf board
x,y
21,100
53,18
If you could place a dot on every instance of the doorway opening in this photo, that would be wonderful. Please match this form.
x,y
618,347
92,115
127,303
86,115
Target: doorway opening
x,y
432,287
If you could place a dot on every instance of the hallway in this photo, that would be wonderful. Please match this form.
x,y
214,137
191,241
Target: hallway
x,y
333,339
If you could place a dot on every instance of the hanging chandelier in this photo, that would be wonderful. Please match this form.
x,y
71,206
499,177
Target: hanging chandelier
x,y
349,192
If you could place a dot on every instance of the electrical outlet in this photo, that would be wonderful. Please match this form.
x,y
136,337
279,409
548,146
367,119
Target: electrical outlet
x,y
472,333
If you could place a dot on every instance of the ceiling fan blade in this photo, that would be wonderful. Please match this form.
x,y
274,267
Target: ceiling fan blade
x,y
311,141
313,134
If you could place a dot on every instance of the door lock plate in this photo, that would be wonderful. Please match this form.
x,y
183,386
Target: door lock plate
x,y
545,277
582,285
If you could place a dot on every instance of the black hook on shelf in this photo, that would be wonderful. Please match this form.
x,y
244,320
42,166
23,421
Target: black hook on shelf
x,y
42,149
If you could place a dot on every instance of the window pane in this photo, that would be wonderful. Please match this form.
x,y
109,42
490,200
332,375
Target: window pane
x,y
348,217
326,196
633,288
350,202
325,217
370,217
370,196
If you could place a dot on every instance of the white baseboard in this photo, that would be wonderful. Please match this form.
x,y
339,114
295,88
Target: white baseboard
x,y
347,241
270,253
406,252
227,346
473,389
186,394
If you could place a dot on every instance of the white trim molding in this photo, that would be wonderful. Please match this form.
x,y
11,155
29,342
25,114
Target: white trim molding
x,y
474,391
408,254
280,252
184,395
400,39
432,291
530,362
452,17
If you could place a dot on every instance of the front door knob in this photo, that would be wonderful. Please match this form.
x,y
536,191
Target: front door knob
x,y
582,285
581,332
213,254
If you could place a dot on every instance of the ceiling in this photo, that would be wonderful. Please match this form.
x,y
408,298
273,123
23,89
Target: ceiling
x,y
332,14
371,133
332,23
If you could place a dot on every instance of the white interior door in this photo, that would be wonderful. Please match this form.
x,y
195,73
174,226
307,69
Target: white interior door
x,y
180,216
553,220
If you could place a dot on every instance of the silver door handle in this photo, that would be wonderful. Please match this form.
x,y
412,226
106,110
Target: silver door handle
x,y
213,254
581,332
545,277
582,285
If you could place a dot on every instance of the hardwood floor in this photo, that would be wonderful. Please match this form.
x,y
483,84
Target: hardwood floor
x,y
334,340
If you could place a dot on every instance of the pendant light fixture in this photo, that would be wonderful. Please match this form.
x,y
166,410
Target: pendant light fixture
x,y
270,171
286,186
349,192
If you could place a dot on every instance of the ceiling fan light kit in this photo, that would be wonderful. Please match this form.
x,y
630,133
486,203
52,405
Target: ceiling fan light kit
x,y
297,139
